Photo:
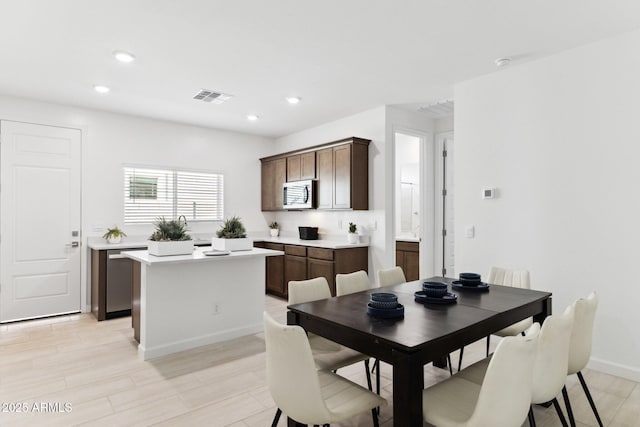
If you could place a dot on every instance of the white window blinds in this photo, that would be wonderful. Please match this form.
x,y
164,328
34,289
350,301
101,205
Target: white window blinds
x,y
152,193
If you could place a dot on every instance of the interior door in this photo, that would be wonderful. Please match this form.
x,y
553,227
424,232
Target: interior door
x,y
39,220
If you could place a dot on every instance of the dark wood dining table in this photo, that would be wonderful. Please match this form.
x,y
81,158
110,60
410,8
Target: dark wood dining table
x,y
427,332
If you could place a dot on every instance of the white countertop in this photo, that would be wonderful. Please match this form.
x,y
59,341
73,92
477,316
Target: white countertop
x,y
132,243
140,242
197,256
407,239
328,244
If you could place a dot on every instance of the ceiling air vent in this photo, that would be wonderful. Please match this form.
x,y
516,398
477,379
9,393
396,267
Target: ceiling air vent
x,y
211,96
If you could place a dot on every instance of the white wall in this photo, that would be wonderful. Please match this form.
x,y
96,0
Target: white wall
x,y
109,140
559,138
377,223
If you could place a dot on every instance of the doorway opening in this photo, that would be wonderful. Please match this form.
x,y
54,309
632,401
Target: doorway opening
x,y
413,203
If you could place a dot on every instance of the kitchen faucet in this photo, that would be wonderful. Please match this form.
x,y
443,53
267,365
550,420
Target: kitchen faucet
x,y
184,218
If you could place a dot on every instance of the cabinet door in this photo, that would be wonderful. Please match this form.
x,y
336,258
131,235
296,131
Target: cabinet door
x,y
295,268
308,165
275,271
294,170
324,163
412,266
400,259
273,176
275,275
342,177
323,268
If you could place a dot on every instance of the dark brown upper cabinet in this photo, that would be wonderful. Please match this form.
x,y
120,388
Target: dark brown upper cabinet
x,y
274,174
340,167
301,166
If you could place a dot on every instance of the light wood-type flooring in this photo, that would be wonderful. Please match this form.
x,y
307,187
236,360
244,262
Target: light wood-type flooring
x,y
94,369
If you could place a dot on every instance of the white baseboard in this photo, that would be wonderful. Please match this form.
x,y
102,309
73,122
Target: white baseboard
x,y
623,371
174,347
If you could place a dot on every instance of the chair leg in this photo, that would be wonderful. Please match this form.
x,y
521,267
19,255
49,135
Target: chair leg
x,y
567,404
374,414
532,420
591,402
449,363
378,382
460,358
488,342
276,418
366,369
376,365
556,405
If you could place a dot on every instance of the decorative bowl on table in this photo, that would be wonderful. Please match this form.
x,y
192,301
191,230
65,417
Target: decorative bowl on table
x,y
434,289
470,279
384,297
384,305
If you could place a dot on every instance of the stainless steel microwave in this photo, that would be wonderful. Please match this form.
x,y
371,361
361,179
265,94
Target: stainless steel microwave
x,y
299,194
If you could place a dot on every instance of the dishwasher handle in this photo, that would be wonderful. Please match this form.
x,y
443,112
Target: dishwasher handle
x,y
116,256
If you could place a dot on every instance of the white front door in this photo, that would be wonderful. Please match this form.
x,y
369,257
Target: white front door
x,y
39,220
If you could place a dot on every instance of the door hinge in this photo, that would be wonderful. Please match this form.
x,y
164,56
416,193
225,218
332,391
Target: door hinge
x,y
444,232
444,153
444,191
444,272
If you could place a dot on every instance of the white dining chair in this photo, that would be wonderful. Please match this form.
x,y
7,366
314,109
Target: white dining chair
x,y
513,278
501,400
549,367
303,393
352,282
328,355
580,350
391,276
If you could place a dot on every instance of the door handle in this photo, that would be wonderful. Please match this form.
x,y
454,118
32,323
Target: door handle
x,y
73,244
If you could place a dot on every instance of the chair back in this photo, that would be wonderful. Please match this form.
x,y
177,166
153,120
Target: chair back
x,y
301,291
291,373
391,276
506,277
352,282
505,394
552,356
581,336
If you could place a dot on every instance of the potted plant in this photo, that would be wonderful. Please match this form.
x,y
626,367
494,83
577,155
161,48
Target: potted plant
x,y
232,236
274,229
114,235
352,236
170,238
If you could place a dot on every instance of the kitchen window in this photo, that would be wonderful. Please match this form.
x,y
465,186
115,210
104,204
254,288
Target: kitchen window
x,y
150,193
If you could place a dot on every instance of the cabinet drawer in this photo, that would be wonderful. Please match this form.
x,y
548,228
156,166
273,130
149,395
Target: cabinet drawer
x,y
320,253
295,250
273,246
407,246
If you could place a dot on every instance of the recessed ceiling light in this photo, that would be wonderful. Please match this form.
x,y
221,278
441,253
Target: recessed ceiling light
x,y
252,117
293,100
123,56
101,89
502,62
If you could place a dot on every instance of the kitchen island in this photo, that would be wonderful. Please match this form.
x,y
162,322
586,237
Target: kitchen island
x,y
187,301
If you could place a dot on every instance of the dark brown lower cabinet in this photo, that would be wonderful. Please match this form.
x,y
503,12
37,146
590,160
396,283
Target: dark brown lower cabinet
x,y
408,257
307,262
323,268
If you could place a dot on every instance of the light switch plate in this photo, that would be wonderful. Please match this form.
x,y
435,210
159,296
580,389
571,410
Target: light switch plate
x,y
469,231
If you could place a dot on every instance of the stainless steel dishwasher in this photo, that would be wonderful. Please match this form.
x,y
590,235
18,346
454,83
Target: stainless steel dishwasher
x,y
119,284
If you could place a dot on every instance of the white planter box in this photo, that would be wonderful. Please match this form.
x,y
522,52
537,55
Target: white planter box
x,y
245,244
352,238
180,247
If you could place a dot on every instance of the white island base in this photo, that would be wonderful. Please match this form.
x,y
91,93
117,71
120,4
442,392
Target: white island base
x,y
188,301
